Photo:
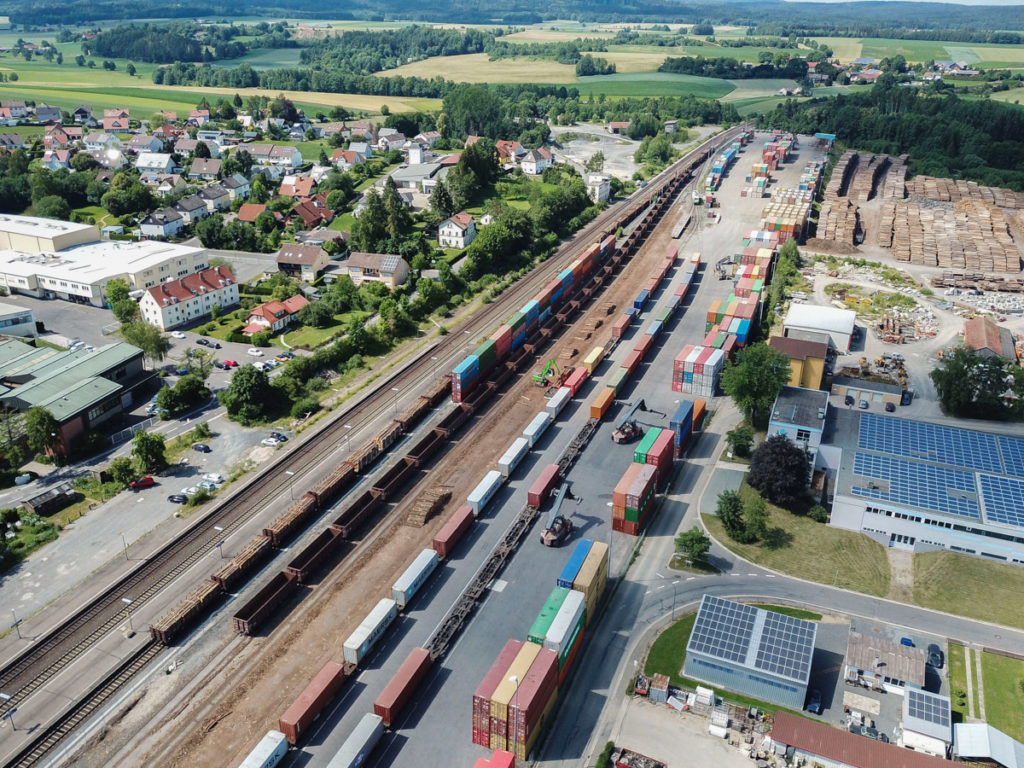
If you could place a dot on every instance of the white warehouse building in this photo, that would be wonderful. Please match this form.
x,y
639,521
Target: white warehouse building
x,y
837,324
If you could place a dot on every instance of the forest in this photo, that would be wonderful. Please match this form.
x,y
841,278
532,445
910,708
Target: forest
x,y
945,135
731,69
167,43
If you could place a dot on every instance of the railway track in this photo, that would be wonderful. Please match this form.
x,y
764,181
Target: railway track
x,y
79,632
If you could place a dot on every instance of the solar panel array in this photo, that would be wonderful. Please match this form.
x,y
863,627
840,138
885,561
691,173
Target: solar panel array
x,y
929,442
1012,449
786,647
927,707
389,263
723,629
921,485
1003,499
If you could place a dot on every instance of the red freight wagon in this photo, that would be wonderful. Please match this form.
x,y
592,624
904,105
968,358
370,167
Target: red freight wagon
x,y
632,361
542,485
575,379
402,686
310,703
643,344
620,326
482,697
450,533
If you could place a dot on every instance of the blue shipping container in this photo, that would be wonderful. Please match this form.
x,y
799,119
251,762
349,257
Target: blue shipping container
x,y
632,312
673,303
544,315
470,365
654,329
519,339
572,568
641,299
683,416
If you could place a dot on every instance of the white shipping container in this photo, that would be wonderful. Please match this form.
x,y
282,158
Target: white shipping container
x,y
510,460
412,579
558,401
536,427
691,359
358,746
374,625
716,362
268,752
484,492
563,626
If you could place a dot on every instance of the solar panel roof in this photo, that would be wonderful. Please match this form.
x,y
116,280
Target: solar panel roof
x,y
928,486
1003,499
1012,449
754,638
927,713
929,442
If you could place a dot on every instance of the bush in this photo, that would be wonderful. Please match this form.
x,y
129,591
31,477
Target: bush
x,y
818,514
304,406
200,497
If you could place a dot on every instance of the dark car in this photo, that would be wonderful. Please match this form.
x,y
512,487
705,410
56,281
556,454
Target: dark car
x,y
222,365
889,407
935,656
178,498
279,437
142,482
814,703
202,342
848,400
201,447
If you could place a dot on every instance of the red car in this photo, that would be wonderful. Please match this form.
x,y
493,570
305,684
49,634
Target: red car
x,y
231,363
142,482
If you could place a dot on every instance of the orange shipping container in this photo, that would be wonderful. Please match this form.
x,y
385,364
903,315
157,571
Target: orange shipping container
x,y
713,310
600,404
699,410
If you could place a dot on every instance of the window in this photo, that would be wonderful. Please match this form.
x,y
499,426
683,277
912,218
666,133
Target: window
x,y
803,434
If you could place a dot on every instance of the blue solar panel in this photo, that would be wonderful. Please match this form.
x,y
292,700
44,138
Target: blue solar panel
x,y
929,442
1012,449
925,486
1003,499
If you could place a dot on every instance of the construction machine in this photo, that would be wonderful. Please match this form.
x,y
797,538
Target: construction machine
x,y
551,376
558,527
628,428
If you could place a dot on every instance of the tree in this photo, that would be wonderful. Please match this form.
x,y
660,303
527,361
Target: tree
x,y
53,207
41,430
149,451
250,397
153,343
779,470
122,470
202,150
755,514
971,385
117,290
755,380
596,162
730,511
740,439
130,69
472,110
441,201
695,544
125,310
322,158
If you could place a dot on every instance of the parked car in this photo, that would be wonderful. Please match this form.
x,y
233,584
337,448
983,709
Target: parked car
x,y
213,477
190,491
207,486
282,358
935,656
177,334
848,400
231,363
221,365
182,371
279,437
814,703
907,642
201,447
890,407
255,352
142,482
202,342
863,405
270,441
177,498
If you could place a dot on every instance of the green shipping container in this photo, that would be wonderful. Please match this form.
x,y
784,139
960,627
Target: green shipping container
x,y
758,286
720,340
488,353
664,315
640,455
516,321
618,379
542,624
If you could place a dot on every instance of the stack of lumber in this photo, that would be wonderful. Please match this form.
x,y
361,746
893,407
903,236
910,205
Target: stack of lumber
x,y
952,191
840,176
838,221
862,186
885,224
969,235
894,186
428,504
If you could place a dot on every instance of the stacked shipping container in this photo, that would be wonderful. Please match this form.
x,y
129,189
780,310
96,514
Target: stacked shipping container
x,y
633,498
697,370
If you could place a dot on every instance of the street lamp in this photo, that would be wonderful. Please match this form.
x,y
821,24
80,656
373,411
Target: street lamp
x,y
124,541
220,544
128,612
396,390
291,485
347,428
515,714
9,715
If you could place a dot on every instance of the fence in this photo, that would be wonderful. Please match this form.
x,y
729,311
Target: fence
x,y
127,434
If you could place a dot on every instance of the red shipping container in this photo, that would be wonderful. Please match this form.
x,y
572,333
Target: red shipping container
x,y
576,379
677,364
482,698
731,342
310,703
633,486
621,325
402,686
672,255
632,361
502,339
542,486
682,290
644,344
698,366
661,454
708,341
534,692
626,526
652,285
450,533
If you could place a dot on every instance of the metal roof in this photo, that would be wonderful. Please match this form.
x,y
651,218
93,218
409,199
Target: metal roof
x,y
980,741
884,657
828,319
799,406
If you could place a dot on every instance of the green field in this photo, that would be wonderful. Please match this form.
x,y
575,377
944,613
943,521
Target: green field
x,y
970,586
957,666
653,84
1003,682
265,58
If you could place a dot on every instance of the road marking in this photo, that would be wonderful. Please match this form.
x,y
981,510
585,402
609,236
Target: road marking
x,y
662,586
658,575
769,575
690,578
676,581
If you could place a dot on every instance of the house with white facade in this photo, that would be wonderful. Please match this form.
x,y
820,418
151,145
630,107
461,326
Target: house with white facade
x,y
536,161
163,223
154,162
456,232
177,302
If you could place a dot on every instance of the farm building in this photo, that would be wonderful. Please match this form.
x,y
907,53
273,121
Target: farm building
x,y
838,324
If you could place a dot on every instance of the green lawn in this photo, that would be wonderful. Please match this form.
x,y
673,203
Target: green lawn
x,y
970,586
956,665
99,214
813,551
652,84
311,338
1003,680
265,58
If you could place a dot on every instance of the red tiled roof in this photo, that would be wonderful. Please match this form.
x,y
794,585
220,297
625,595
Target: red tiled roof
x,y
982,333
275,310
249,211
845,747
312,213
451,159
303,187
208,279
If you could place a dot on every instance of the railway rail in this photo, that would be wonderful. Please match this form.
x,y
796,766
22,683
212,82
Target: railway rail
x,y
79,632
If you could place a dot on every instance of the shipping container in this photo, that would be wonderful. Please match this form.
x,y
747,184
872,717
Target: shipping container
x,y
572,565
506,688
633,360
482,696
510,459
661,454
360,744
618,380
653,330
699,409
592,578
548,612
576,379
620,326
542,486
402,686
558,401
310,703
409,583
600,404
641,300
453,530
268,752
634,488
500,759
640,453
531,700
537,427
593,359
502,339
484,491
369,632
561,631
644,344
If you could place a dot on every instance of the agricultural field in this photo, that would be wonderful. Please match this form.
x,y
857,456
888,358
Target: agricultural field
x,y
652,84
478,68
265,58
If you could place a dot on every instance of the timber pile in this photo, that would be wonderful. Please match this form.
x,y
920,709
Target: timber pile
x,y
862,186
969,235
895,184
886,222
428,504
979,281
839,222
950,191
841,175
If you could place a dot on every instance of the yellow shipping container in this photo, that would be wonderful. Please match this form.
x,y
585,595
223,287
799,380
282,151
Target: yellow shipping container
x,y
593,359
498,742
592,577
764,253
506,689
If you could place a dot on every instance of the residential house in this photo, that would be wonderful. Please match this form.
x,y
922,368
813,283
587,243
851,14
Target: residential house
x,y
185,146
81,113
210,137
111,159
117,125
346,159
360,129
536,161
456,232
17,108
215,197
279,155
413,176
167,114
178,302
140,142
486,219
862,62
96,142
163,183
361,148
866,76
321,236
510,150
807,360
119,114
313,212
192,209
47,114
237,186
391,142
59,137
599,187
306,262
163,223
168,133
430,138
5,117
384,268
154,162
298,187
472,139
55,159
249,211
205,168
11,141
382,132
274,315
334,129
198,117
619,126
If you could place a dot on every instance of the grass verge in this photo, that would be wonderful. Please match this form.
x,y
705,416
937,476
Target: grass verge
x,y
957,670
970,586
1003,681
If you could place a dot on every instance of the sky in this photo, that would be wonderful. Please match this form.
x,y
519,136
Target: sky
x,y
948,2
